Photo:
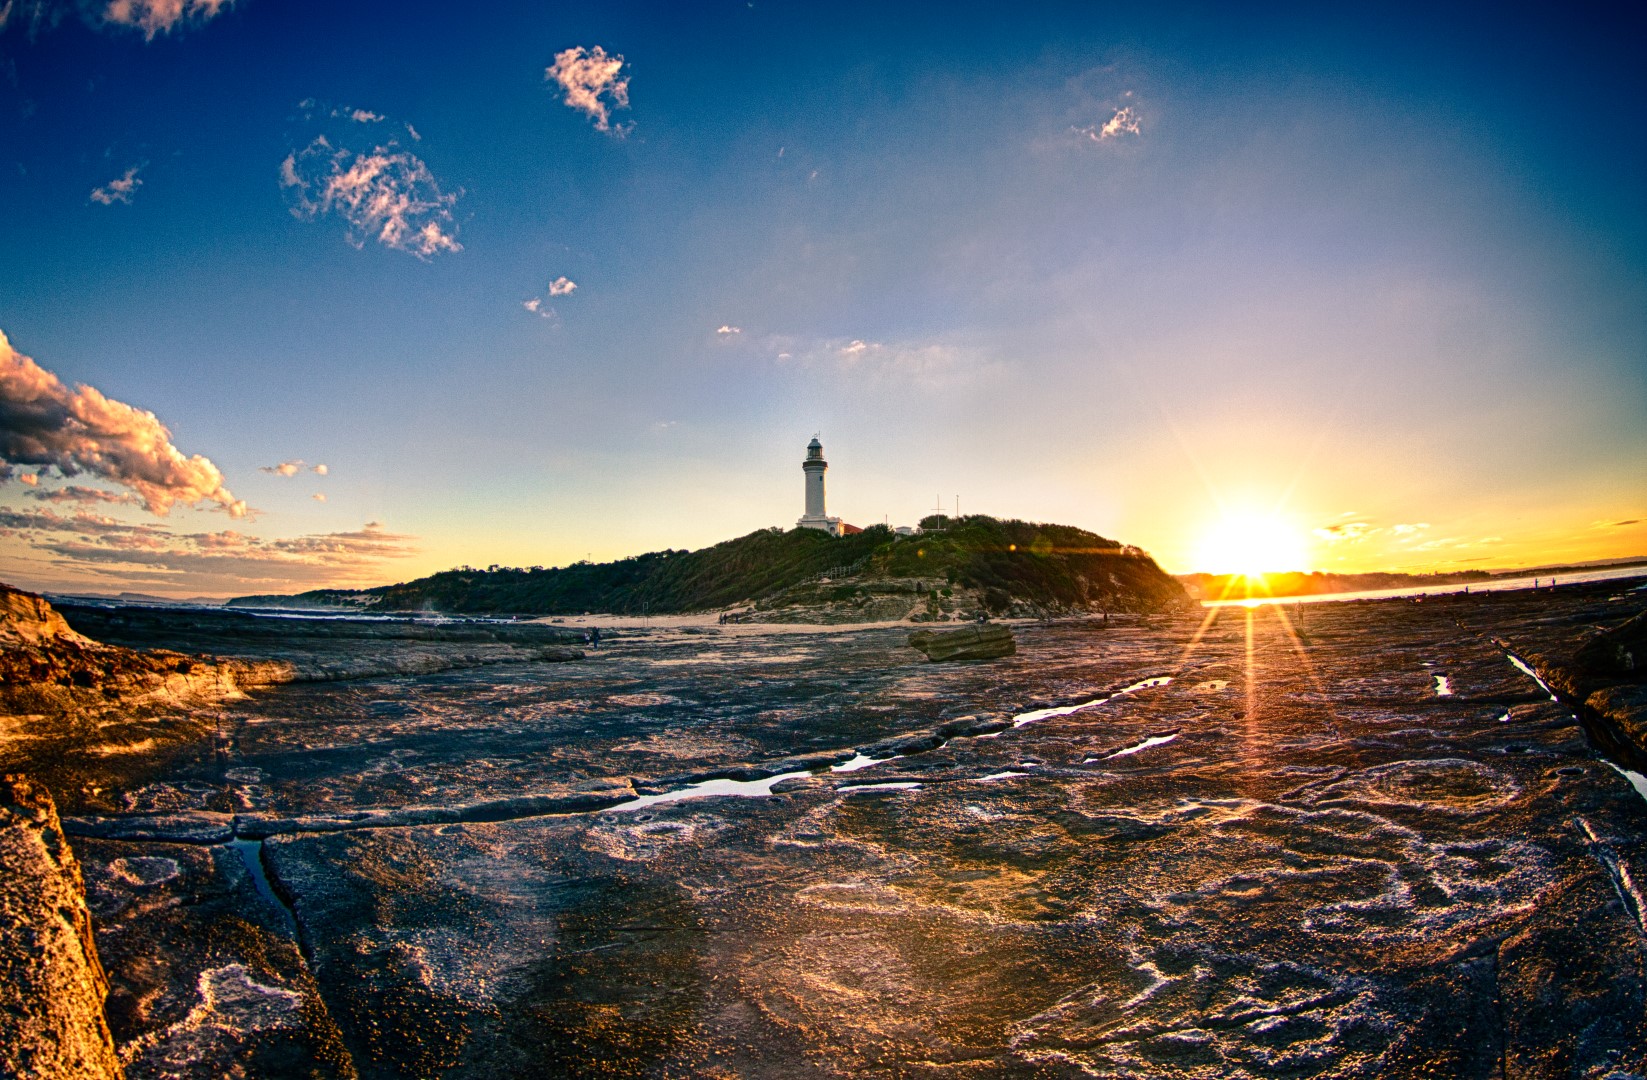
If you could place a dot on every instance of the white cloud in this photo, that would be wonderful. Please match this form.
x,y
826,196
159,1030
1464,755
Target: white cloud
x,y
539,306
320,470
1123,121
119,190
44,423
594,83
318,496
386,194
727,330
365,116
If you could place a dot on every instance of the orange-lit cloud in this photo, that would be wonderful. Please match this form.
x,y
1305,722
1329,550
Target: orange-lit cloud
x,y
85,544
161,16
153,17
386,194
44,423
594,83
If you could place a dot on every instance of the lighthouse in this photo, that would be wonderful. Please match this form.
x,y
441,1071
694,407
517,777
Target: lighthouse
x,y
814,467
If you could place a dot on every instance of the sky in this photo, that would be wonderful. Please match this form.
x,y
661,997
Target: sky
x,y
300,294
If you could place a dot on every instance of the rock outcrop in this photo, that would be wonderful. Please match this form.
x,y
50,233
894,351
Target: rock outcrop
x,y
26,619
258,651
1604,673
52,988
47,668
981,641
1620,651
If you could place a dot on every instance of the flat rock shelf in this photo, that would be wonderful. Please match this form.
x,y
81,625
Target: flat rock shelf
x,y
1233,843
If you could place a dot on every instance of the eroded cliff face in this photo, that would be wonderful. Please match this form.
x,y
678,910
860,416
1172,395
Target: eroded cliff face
x,y
47,669
27,619
52,987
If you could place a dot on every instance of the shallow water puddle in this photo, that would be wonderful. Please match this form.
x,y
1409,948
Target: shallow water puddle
x,y
1041,714
707,789
1531,674
1153,740
861,761
1443,686
251,854
1008,775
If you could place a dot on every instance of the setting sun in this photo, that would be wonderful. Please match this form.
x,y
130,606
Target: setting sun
x,y
1252,544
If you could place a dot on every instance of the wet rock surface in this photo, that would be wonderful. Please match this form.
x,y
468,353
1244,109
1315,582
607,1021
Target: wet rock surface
x,y
1338,840
313,649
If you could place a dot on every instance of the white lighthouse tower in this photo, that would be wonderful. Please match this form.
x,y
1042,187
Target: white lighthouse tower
x,y
814,467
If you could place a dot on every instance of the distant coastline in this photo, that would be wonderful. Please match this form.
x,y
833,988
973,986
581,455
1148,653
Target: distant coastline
x,y
1214,587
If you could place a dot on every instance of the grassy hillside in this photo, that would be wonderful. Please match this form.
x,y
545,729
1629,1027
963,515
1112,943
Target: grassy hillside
x,y
1002,563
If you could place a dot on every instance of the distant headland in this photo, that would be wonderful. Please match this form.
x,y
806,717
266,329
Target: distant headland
x,y
951,569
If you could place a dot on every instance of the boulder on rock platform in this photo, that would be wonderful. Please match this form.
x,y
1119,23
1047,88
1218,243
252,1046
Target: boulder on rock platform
x,y
980,641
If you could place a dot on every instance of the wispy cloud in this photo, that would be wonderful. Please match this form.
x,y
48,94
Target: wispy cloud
x,y
562,286
119,190
152,17
929,364
386,194
161,16
80,495
727,330
44,423
594,83
292,468
1345,532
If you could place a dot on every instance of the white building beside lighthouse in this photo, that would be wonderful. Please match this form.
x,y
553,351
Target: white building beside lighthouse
x,y
814,467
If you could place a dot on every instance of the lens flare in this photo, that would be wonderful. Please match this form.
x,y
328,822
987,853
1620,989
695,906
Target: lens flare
x,y
1252,544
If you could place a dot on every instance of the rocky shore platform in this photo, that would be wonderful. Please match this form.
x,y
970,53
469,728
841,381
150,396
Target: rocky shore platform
x,y
1335,840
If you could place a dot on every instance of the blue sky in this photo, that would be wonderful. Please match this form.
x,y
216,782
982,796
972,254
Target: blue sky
x,y
1139,271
